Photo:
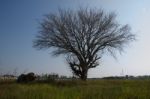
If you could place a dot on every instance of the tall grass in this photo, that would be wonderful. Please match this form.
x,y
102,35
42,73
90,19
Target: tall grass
x,y
92,89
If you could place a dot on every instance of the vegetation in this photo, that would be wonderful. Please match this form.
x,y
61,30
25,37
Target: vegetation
x,y
92,89
83,36
26,78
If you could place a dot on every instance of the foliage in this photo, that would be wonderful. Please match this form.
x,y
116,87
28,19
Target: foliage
x,y
23,78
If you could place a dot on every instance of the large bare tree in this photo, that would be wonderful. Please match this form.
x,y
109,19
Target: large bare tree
x,y
83,36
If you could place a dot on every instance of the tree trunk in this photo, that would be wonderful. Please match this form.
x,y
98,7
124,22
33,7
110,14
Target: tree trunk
x,y
84,75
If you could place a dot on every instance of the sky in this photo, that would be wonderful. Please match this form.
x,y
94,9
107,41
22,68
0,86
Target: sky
x,y
19,22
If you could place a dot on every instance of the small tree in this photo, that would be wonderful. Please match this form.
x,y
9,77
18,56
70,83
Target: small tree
x,y
83,36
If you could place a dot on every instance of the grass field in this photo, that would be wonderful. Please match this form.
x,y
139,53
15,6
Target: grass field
x,y
94,89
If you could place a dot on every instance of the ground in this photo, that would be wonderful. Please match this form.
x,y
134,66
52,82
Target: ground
x,y
92,89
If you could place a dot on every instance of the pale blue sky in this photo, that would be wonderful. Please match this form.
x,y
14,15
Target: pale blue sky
x,y
19,25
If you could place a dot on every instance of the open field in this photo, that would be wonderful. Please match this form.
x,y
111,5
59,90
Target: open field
x,y
93,89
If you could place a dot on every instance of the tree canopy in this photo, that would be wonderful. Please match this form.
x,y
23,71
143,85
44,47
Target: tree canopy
x,y
83,36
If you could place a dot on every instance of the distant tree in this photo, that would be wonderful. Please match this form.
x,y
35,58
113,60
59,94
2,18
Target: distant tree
x,y
83,36
52,76
23,78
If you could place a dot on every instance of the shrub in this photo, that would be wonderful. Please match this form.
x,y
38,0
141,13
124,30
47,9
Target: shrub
x,y
24,78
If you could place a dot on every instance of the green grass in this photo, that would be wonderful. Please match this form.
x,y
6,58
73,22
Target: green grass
x,y
94,89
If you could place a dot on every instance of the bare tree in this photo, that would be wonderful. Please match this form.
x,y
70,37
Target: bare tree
x,y
83,36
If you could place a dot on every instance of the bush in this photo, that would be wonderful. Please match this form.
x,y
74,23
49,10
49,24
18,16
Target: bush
x,y
24,78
